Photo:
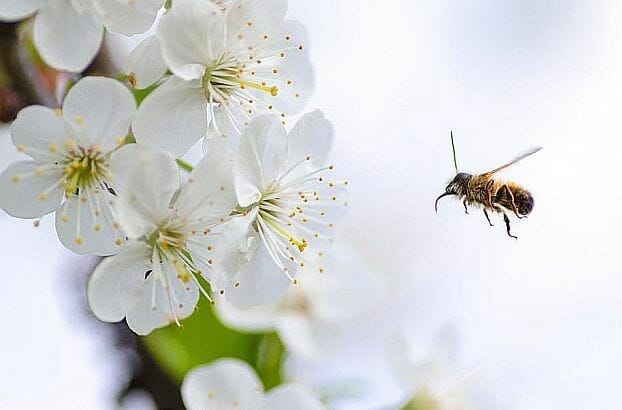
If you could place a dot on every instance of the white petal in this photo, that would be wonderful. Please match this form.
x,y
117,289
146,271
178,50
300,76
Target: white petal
x,y
295,78
397,351
225,128
261,158
123,161
66,39
173,117
260,281
254,319
25,192
176,301
279,57
144,198
117,282
348,287
145,64
192,35
128,17
14,10
230,250
40,128
292,396
313,135
87,226
223,384
309,338
103,108
262,15
209,193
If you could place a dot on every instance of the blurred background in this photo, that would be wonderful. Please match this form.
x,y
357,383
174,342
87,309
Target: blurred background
x,y
538,319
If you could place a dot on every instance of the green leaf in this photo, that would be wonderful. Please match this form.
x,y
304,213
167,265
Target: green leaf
x,y
269,360
201,340
141,94
204,338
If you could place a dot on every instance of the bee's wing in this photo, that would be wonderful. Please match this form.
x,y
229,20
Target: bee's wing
x,y
514,161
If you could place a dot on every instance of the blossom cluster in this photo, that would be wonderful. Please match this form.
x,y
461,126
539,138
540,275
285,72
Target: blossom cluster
x,y
241,225
250,226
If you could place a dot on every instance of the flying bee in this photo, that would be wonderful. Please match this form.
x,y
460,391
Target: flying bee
x,y
493,195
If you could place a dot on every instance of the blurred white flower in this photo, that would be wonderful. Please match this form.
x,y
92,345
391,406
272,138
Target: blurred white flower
x,y
70,151
310,316
229,63
431,377
233,384
286,207
154,280
68,33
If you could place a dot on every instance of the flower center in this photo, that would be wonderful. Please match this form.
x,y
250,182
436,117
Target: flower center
x,y
272,213
169,244
84,168
226,76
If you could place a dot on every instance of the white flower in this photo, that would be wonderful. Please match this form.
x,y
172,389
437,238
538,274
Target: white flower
x,y
287,208
70,151
68,33
229,63
310,316
154,280
232,384
431,377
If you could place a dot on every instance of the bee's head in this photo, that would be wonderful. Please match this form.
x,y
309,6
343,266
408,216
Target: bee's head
x,y
456,186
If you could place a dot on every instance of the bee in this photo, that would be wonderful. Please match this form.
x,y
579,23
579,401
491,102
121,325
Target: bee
x,y
492,194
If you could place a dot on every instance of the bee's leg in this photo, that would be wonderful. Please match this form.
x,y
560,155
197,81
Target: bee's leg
x,y
507,226
466,210
487,217
489,187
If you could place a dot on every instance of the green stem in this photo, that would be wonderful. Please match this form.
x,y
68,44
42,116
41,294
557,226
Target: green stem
x,y
184,165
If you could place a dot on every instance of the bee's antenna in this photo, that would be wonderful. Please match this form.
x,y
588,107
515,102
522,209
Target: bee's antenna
x,y
453,148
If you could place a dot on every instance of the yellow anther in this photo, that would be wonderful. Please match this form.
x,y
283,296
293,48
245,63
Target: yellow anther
x,y
70,144
16,178
21,148
97,227
78,240
64,218
118,242
58,112
53,148
131,77
43,196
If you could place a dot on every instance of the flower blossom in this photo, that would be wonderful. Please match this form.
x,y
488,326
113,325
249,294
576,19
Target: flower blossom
x,y
431,377
69,33
70,169
309,317
287,207
154,280
233,384
229,62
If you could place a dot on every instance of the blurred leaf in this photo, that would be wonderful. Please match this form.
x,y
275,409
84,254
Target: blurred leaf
x,y
204,339
269,358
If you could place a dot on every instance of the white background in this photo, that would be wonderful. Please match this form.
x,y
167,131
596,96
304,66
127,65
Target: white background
x,y
540,317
